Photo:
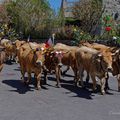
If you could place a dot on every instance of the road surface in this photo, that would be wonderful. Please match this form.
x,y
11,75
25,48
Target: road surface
x,y
18,102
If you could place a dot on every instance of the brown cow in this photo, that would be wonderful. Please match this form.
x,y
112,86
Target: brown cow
x,y
53,62
18,44
3,42
68,58
116,62
94,63
32,62
10,50
31,59
2,58
116,67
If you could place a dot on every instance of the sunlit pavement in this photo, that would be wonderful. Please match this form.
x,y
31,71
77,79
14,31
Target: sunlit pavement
x,y
19,102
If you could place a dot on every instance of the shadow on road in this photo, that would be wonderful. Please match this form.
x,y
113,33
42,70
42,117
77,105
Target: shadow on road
x,y
20,87
69,85
17,69
86,92
8,63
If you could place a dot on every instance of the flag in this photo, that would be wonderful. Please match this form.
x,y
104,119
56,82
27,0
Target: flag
x,y
48,43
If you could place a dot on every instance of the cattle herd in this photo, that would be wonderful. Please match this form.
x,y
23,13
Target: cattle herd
x,y
96,59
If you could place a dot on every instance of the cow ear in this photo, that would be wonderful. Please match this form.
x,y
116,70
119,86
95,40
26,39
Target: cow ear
x,y
34,51
117,52
116,55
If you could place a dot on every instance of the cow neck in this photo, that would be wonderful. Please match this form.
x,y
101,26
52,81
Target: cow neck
x,y
33,61
30,46
102,69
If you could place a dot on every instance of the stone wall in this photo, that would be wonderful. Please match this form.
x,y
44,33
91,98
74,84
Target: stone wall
x,y
112,7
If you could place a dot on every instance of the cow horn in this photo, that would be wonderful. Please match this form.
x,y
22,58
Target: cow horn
x,y
117,51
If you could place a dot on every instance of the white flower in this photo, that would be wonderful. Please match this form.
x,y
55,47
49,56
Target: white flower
x,y
114,38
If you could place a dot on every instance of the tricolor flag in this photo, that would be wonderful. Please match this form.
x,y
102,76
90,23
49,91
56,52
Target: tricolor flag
x,y
48,43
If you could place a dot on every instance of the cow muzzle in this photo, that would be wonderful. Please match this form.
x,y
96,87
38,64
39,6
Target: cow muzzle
x,y
60,64
39,63
109,69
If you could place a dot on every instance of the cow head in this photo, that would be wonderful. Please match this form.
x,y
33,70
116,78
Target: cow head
x,y
116,56
104,61
18,44
39,57
58,54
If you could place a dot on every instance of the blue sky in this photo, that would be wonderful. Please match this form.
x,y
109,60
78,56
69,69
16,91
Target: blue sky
x,y
55,4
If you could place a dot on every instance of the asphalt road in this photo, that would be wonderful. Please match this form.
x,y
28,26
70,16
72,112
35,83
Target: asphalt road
x,y
18,102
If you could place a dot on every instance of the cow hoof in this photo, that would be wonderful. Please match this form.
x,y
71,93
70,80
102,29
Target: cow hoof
x,y
76,84
103,93
38,88
58,85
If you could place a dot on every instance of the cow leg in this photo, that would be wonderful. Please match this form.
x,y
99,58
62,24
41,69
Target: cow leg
x,y
1,67
38,85
23,75
45,77
29,78
87,78
103,81
79,77
65,71
16,59
118,78
106,83
94,81
57,72
76,80
12,57
75,73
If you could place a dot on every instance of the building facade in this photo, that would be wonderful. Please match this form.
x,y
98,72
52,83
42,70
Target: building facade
x,y
66,6
112,7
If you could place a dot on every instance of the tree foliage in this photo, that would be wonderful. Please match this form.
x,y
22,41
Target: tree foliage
x,y
32,17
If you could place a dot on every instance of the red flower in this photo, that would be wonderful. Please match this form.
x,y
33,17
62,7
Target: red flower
x,y
108,28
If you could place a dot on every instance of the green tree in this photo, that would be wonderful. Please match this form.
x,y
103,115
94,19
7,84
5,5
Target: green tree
x,y
32,17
